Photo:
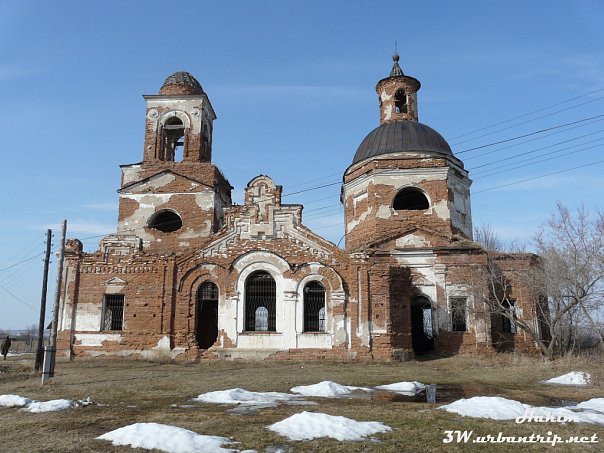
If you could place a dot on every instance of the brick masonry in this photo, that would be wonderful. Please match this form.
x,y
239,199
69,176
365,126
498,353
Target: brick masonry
x,y
387,296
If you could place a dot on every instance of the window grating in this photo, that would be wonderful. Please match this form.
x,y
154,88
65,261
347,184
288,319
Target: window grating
x,y
113,312
207,292
314,307
458,314
260,302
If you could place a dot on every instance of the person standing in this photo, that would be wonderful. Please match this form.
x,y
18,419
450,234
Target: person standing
x,y
5,346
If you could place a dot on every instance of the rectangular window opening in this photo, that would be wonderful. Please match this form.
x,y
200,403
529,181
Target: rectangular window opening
x,y
458,314
507,325
113,312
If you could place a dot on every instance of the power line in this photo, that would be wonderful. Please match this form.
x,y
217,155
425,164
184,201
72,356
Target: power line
x,y
543,148
538,177
529,113
529,121
537,162
21,262
18,298
314,188
476,156
528,135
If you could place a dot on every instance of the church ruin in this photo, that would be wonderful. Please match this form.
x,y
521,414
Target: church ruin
x,y
188,274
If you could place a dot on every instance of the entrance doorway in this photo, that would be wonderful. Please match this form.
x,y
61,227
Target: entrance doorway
x,y
206,330
422,332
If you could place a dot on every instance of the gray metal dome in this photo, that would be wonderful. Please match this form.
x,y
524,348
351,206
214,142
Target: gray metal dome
x,y
401,136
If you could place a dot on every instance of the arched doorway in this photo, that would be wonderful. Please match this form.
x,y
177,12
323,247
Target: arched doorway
x,y
206,330
422,331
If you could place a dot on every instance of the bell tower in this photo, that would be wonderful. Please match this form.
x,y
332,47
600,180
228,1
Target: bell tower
x,y
179,122
397,95
174,198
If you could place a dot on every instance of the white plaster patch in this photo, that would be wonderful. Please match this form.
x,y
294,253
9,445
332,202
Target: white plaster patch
x,y
441,209
412,240
159,181
96,339
131,174
385,96
384,212
388,112
89,317
205,200
354,223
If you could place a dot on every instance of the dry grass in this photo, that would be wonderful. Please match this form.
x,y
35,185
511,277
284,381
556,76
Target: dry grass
x,y
128,391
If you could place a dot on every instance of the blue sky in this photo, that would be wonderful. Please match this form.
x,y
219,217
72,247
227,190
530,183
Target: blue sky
x,y
293,85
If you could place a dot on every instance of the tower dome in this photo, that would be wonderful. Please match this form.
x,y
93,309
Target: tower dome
x,y
401,136
181,83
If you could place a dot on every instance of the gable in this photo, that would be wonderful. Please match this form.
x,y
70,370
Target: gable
x,y
413,238
166,181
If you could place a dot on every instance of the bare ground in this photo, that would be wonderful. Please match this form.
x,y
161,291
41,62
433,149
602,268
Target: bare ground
x,y
129,391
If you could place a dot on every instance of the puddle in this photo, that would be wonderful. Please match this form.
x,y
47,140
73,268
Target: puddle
x,y
444,394
562,402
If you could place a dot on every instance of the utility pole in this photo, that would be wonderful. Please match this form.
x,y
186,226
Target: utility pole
x,y
40,348
51,350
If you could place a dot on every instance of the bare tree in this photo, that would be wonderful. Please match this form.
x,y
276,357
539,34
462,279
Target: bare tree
x,y
30,337
572,245
556,296
486,236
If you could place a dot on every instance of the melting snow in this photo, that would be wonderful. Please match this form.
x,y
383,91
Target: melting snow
x,y
498,408
13,401
166,438
405,388
594,404
310,425
241,396
327,389
49,406
38,406
576,378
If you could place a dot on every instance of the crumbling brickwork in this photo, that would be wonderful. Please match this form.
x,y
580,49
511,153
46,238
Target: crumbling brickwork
x,y
189,275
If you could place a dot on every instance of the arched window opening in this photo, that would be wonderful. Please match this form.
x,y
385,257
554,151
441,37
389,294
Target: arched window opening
x,y
206,330
174,132
260,302
314,307
165,221
400,101
410,199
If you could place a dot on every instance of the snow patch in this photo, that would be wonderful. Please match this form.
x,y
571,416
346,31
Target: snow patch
x,y
498,408
49,406
245,397
575,378
13,401
311,425
326,389
594,404
30,405
404,388
166,438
